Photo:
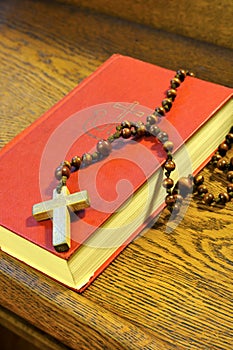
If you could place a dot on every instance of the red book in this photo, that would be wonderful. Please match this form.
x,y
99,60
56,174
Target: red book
x,y
125,187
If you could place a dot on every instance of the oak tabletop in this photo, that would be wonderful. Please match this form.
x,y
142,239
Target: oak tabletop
x,y
172,287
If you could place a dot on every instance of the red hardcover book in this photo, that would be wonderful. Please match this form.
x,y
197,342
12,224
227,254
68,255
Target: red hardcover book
x,y
125,188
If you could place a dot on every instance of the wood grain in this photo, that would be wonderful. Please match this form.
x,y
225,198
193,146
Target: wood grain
x,y
209,21
172,287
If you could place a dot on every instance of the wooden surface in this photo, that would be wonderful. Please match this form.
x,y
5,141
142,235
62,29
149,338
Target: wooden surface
x,y
168,289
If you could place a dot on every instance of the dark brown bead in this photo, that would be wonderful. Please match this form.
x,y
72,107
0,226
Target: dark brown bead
x,y
170,165
208,198
178,198
126,124
160,110
171,93
86,159
202,189
66,163
175,82
162,136
190,74
170,200
168,183
184,185
229,138
230,190
181,74
125,133
223,148
152,119
62,170
198,180
222,164
168,146
230,176
141,129
76,162
154,130
167,104
104,147
224,197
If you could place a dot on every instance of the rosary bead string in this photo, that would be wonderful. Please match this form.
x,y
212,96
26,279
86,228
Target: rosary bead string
x,y
175,193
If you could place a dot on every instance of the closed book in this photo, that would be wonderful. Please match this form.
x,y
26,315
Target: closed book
x,y
124,188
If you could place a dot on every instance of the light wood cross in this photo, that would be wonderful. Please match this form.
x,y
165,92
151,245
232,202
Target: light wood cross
x,y
57,209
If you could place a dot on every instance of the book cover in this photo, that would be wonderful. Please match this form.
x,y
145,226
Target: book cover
x,y
122,88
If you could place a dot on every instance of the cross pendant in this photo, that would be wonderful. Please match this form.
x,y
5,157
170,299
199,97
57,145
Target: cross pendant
x,y
58,209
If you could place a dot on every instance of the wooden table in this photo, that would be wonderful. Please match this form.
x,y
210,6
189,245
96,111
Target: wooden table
x,y
165,291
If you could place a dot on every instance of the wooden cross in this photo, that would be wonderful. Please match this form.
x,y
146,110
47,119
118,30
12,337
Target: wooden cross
x,y
58,209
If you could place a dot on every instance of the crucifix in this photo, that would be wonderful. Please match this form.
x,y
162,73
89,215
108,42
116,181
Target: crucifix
x,y
58,209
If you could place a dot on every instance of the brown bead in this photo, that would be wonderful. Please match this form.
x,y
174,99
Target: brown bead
x,y
125,133
86,159
208,198
223,148
160,110
215,159
141,129
202,189
126,124
181,74
231,164
170,165
171,93
224,197
175,82
154,130
168,146
230,176
162,136
104,147
168,183
229,138
67,163
222,164
178,198
152,119
170,200
184,185
230,190
62,170
198,180
167,104
76,162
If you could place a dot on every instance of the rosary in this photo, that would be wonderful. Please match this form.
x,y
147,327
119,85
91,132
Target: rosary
x,y
58,207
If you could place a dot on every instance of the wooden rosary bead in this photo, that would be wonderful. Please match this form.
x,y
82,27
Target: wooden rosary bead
x,y
168,146
223,148
161,111
126,133
202,189
229,138
224,197
104,147
181,74
152,119
208,198
221,164
184,185
61,171
66,163
167,104
175,82
170,200
170,165
86,159
168,183
171,93
198,180
162,136
230,176
230,190
126,124
76,162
